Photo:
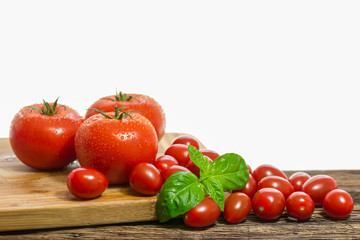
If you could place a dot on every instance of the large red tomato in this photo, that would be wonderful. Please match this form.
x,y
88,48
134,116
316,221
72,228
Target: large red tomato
x,y
115,143
146,106
42,135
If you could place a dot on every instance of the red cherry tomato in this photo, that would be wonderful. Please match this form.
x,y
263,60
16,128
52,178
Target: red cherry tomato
x,y
237,207
299,205
203,215
187,140
318,186
338,204
193,168
43,137
86,183
281,184
210,153
250,188
298,179
250,170
267,170
145,179
165,161
179,152
268,203
171,170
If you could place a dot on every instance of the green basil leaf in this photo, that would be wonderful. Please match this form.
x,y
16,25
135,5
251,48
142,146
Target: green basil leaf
x,y
215,190
180,192
200,161
230,170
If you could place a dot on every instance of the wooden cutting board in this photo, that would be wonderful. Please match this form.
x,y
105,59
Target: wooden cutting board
x,y
31,199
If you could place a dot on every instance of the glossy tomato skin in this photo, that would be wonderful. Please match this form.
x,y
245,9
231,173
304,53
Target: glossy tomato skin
x,y
165,161
187,140
280,183
146,105
210,153
86,183
298,179
338,204
171,170
237,207
268,203
203,215
115,146
145,179
45,142
193,168
250,188
180,152
265,170
318,186
299,205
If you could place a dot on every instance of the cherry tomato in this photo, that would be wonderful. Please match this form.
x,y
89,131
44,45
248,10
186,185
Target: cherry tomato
x,y
298,179
268,203
187,140
338,204
237,207
165,161
171,170
281,184
318,186
299,205
145,105
145,179
86,183
179,152
42,135
193,168
250,188
203,215
267,170
250,170
115,143
210,153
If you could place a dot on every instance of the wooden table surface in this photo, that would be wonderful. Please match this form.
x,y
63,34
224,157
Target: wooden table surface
x,y
318,227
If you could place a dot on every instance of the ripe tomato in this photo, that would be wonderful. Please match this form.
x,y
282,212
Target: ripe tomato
x,y
299,205
281,184
298,179
42,135
145,179
318,186
115,146
86,183
267,170
210,153
338,204
146,106
250,188
268,203
171,170
203,215
187,140
180,152
193,168
237,207
165,161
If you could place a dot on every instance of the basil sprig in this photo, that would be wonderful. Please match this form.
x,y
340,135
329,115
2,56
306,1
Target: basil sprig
x,y
183,190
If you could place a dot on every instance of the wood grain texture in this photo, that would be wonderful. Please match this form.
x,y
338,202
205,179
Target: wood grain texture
x,y
318,227
32,199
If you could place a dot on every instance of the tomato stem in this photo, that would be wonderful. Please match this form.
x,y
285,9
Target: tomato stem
x,y
119,115
47,109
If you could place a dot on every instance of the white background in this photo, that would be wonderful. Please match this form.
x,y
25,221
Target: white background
x,y
275,81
